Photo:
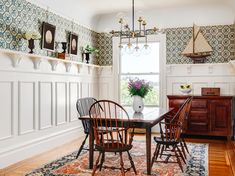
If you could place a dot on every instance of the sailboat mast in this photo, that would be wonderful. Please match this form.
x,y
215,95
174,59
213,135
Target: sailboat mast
x,y
193,38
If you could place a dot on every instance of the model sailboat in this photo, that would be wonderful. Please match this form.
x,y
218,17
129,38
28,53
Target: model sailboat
x,y
198,48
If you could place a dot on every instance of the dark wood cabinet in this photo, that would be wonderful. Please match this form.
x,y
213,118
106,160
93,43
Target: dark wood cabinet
x,y
209,115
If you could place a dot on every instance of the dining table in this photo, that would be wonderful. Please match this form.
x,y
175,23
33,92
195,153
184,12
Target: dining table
x,y
147,119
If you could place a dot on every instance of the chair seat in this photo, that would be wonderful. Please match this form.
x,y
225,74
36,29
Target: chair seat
x,y
166,142
113,147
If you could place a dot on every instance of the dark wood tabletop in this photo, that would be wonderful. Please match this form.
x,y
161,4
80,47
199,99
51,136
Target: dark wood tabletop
x,y
146,120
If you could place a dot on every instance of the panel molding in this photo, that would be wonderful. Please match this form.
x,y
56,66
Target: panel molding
x,y
39,106
12,111
71,119
20,132
65,105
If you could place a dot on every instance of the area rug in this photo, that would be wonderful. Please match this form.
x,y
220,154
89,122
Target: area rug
x,y
197,164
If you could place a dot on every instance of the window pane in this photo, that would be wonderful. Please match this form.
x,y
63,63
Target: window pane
x,y
143,63
152,98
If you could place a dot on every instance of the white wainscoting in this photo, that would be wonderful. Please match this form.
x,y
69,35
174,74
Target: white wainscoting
x,y
201,75
37,103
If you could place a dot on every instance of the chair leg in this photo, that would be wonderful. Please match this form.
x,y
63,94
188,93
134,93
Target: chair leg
x,y
155,155
162,149
183,150
102,160
180,153
96,164
185,145
81,147
132,163
122,164
178,159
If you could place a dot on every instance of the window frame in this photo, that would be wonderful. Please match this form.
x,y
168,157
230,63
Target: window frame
x,y
161,38
141,74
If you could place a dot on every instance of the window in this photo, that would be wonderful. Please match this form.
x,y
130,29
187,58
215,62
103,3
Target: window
x,y
143,67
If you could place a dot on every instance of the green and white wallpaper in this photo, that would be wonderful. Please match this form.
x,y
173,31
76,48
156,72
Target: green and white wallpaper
x,y
221,39
19,16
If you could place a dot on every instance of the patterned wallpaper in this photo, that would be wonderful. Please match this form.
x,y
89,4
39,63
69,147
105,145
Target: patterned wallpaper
x,y
105,49
221,38
19,16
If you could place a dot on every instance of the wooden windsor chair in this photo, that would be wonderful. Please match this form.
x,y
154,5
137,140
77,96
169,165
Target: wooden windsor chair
x,y
173,117
171,137
83,106
111,132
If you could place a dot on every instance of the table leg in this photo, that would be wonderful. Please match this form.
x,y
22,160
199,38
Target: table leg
x,y
148,150
91,148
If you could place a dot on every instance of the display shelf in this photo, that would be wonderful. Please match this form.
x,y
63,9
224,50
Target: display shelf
x,y
17,56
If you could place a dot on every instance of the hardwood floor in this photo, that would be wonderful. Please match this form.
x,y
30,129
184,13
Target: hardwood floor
x,y
221,157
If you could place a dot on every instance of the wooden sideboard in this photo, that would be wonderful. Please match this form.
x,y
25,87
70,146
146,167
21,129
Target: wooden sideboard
x,y
209,115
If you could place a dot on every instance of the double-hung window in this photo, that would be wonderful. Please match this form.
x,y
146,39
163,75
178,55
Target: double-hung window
x,y
143,67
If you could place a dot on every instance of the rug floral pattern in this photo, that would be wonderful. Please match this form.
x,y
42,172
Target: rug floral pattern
x,y
197,164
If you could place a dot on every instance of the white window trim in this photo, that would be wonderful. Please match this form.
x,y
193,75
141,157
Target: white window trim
x,y
161,38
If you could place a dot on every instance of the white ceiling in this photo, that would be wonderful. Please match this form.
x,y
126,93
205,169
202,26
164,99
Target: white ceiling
x,y
87,11
98,7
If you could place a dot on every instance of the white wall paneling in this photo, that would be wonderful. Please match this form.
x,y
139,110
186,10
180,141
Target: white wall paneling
x,y
26,107
6,110
85,89
45,105
201,75
38,104
73,96
61,103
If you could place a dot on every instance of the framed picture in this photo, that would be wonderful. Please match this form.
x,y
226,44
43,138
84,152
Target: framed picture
x,y
48,36
73,44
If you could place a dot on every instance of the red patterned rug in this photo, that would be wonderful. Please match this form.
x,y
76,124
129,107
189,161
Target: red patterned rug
x,y
197,164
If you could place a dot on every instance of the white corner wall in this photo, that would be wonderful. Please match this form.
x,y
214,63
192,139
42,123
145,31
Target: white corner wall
x,y
37,101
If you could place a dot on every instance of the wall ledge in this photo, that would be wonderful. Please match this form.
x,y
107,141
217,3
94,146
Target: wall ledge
x,y
17,56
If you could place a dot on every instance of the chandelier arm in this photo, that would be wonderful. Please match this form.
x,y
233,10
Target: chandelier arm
x,y
133,15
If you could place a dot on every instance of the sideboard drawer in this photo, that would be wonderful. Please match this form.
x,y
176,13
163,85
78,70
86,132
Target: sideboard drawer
x,y
199,103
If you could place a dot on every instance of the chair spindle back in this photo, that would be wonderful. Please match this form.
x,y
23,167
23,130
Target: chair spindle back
x,y
83,106
174,129
110,122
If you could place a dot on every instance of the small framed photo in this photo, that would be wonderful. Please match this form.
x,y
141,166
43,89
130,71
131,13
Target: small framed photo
x,y
48,36
73,44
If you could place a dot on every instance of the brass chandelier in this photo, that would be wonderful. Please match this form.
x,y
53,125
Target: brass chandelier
x,y
131,34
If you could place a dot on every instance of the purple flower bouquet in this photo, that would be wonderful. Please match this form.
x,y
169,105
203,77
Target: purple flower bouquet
x,y
139,87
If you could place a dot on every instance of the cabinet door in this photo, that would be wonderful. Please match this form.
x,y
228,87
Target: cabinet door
x,y
220,115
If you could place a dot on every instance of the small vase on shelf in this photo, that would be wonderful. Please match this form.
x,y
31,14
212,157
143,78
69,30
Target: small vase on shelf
x,y
64,46
31,36
31,45
87,57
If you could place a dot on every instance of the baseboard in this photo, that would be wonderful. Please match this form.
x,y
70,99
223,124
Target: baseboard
x,y
37,146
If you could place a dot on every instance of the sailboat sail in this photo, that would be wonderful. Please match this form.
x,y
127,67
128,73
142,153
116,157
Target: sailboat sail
x,y
197,46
